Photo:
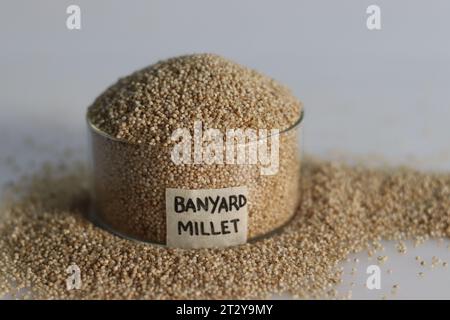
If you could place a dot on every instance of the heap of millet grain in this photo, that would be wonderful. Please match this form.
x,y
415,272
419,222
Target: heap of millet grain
x,y
142,110
150,104
343,210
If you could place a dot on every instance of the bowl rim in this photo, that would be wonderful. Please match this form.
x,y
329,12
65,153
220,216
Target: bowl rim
x,y
93,128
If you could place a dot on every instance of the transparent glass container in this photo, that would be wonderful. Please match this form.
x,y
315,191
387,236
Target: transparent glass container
x,y
130,181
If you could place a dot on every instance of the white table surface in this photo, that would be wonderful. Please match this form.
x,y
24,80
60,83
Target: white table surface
x,y
375,95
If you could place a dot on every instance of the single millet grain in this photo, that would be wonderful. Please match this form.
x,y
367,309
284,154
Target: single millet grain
x,y
382,259
401,247
343,210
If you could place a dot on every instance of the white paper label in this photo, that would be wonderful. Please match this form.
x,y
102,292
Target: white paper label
x,y
206,218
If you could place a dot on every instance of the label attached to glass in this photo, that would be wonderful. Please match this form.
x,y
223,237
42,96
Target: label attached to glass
x,y
206,218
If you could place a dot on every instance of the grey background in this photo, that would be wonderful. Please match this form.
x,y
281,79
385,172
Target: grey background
x,y
373,95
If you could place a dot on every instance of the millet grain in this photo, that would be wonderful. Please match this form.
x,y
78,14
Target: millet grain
x,y
343,210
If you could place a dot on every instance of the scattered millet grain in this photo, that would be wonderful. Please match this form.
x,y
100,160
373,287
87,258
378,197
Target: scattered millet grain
x,y
131,175
435,261
43,231
382,259
394,289
401,247
420,240
377,246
